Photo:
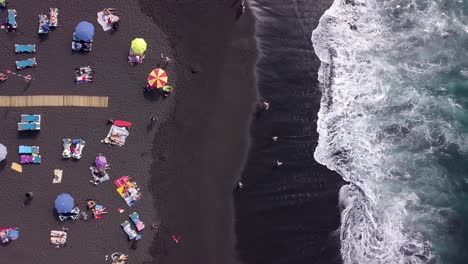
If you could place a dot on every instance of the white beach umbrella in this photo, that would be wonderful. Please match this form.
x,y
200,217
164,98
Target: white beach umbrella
x,y
3,152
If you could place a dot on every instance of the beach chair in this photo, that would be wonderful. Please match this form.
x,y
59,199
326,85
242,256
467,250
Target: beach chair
x,y
136,221
28,150
132,234
29,126
26,63
31,118
53,17
25,48
82,46
12,19
66,148
73,214
79,144
34,158
43,24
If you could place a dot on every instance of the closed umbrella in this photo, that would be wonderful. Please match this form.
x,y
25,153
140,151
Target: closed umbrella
x,y
157,78
138,46
84,31
3,152
64,203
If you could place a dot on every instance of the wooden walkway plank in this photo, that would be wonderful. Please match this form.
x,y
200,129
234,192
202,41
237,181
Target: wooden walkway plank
x,y
54,100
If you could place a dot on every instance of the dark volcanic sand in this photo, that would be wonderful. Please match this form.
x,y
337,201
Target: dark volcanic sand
x,y
195,183
199,140
287,214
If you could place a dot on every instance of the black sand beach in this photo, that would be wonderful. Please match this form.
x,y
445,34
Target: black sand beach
x,y
187,175
287,214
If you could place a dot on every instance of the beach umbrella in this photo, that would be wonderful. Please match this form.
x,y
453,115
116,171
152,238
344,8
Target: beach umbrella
x,y
3,152
84,31
64,203
138,46
100,161
157,78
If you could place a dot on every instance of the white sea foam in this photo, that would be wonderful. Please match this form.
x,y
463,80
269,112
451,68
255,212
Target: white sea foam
x,y
387,122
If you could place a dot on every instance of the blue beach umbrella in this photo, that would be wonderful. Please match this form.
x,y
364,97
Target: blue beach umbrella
x,y
64,203
84,31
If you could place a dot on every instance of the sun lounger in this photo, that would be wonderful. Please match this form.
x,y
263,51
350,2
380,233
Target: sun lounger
x,y
136,220
29,126
12,19
132,234
74,214
26,63
53,17
43,24
79,45
8,234
34,158
28,150
25,48
66,148
77,148
31,118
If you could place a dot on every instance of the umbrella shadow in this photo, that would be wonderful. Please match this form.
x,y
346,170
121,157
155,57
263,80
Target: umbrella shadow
x,y
152,95
3,164
28,134
43,37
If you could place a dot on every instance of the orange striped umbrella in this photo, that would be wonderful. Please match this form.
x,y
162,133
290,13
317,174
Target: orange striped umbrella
x,y
157,78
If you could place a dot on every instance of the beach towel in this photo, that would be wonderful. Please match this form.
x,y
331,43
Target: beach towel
x,y
102,20
16,167
57,176
116,136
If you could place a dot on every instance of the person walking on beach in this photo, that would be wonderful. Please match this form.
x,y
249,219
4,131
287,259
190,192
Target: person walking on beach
x,y
153,119
166,60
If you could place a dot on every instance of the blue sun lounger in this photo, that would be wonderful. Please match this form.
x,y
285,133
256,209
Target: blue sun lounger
x,y
30,118
25,48
26,63
28,150
29,126
12,19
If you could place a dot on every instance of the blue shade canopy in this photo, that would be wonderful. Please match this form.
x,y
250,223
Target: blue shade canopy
x,y
64,203
84,31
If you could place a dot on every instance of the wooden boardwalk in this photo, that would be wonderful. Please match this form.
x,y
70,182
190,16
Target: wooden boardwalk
x,y
54,100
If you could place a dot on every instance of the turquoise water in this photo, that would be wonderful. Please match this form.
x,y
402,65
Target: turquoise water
x,y
394,123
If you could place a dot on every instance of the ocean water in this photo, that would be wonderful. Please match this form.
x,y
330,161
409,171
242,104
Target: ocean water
x,y
393,123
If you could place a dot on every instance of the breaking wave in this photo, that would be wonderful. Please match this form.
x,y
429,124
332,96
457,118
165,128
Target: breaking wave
x,y
393,123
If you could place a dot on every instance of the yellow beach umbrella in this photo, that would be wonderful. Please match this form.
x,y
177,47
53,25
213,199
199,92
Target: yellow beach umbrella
x,y
138,45
157,78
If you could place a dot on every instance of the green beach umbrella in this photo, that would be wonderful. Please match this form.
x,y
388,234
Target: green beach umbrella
x,y
139,46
